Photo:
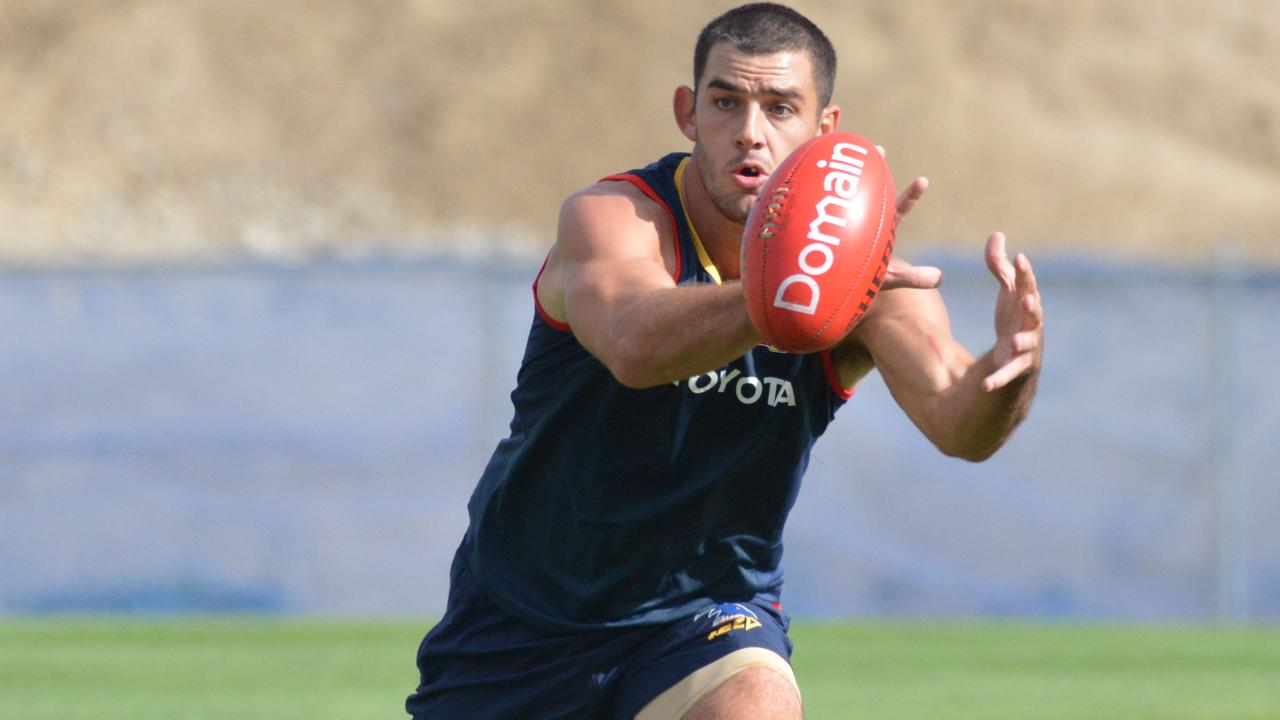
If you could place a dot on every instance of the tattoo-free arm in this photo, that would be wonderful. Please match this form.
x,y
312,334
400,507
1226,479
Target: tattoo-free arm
x,y
968,407
617,293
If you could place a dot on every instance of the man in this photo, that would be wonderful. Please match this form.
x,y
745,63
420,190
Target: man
x,y
624,552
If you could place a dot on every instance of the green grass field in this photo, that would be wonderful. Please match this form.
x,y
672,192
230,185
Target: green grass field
x,y
246,669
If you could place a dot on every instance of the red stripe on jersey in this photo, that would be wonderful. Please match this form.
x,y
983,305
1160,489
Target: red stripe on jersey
x,y
833,377
542,312
653,195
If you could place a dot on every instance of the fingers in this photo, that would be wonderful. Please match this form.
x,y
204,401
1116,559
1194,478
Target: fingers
x,y
902,274
1018,313
1016,354
1008,372
911,196
998,262
1026,277
1025,341
1033,316
1029,292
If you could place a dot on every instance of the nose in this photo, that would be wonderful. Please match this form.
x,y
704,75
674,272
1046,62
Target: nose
x,y
750,135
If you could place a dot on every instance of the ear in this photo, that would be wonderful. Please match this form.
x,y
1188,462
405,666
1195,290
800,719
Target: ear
x,y
683,104
829,119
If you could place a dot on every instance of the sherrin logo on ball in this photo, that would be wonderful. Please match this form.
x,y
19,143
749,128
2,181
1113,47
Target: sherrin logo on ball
x,y
818,242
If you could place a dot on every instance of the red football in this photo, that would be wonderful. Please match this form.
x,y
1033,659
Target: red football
x,y
818,242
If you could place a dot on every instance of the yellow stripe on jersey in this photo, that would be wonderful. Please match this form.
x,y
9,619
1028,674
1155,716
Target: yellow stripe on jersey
x,y
703,257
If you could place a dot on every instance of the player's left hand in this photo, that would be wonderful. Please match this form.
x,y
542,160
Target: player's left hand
x,y
1019,317
900,273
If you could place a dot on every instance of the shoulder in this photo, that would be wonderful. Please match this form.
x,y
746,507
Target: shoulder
x,y
641,202
615,218
613,205
601,225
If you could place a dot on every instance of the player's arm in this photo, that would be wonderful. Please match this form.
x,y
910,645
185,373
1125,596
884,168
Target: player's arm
x,y
968,407
607,277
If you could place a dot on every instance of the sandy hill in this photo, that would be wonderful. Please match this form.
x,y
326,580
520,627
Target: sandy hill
x,y
189,130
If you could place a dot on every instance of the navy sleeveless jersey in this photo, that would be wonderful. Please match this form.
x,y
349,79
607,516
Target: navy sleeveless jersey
x,y
609,506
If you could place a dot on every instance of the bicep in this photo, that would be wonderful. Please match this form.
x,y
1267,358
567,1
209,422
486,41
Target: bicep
x,y
609,255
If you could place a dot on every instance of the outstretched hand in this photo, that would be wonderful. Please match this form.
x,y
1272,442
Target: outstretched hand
x,y
1019,316
900,273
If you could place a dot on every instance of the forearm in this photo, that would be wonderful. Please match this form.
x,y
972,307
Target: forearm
x,y
966,406
674,333
972,423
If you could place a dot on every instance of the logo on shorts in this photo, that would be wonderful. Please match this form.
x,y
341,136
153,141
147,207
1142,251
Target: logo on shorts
x,y
727,617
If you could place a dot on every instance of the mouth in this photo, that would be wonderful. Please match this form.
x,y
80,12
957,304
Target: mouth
x,y
750,175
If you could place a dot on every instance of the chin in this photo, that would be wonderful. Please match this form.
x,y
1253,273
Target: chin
x,y
736,208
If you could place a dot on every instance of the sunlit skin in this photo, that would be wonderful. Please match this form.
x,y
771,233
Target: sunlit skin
x,y
753,110
748,113
609,278
609,274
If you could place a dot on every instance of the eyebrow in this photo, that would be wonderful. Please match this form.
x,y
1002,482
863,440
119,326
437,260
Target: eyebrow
x,y
784,92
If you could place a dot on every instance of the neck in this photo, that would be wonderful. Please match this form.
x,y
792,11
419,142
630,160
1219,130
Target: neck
x,y
721,236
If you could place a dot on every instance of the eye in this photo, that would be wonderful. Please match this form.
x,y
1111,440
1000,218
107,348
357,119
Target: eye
x,y
723,103
783,111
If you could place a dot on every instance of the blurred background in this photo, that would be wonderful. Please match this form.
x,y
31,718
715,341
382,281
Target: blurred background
x,y
264,286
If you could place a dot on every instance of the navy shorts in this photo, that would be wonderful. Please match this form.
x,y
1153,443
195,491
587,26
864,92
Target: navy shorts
x,y
481,662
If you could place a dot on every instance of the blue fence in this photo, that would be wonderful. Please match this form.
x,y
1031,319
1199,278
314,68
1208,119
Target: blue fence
x,y
304,441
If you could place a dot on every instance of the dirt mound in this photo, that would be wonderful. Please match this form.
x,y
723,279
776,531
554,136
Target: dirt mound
x,y
189,130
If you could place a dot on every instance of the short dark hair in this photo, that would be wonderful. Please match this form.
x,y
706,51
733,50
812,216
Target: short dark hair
x,y
765,28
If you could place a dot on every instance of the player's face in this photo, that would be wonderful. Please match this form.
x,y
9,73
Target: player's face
x,y
750,112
